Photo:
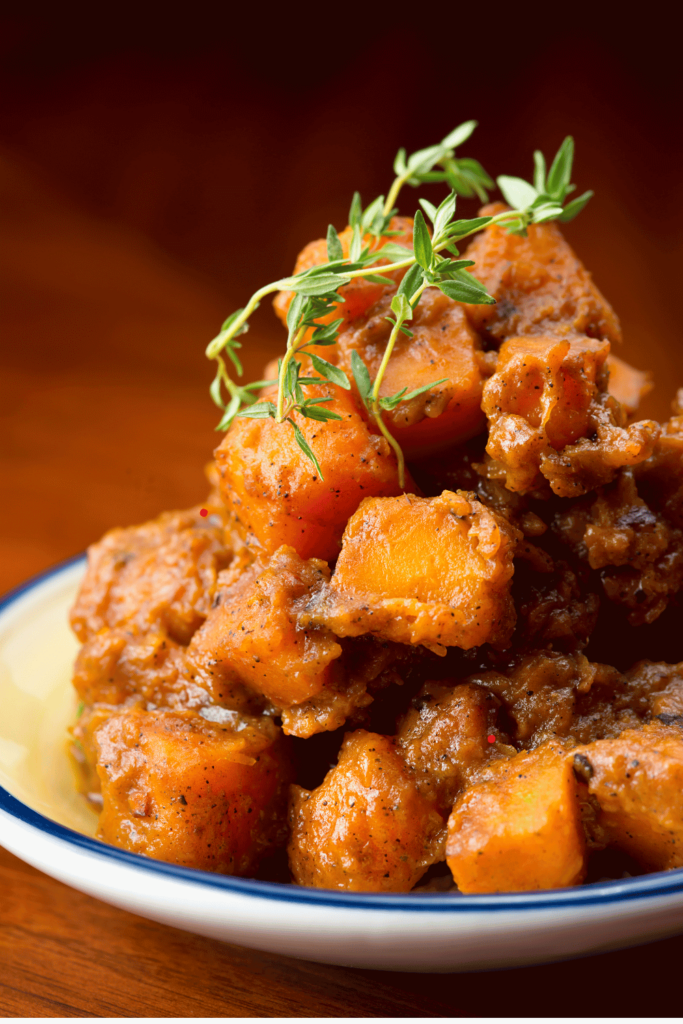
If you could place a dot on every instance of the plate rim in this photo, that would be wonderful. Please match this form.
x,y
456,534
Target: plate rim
x,y
619,891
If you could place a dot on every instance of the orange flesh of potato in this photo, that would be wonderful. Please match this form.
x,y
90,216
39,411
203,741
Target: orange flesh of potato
x,y
520,827
366,827
189,791
254,637
627,384
432,571
274,490
637,780
443,345
359,294
539,399
161,572
539,284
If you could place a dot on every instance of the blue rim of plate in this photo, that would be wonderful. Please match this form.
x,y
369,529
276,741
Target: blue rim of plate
x,y
663,883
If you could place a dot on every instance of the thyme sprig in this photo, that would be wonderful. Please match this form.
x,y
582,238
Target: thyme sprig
x,y
543,200
316,290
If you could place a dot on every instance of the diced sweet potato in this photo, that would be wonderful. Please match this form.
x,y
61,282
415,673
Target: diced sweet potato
x,y
594,460
254,635
275,492
549,382
627,384
443,345
637,779
207,794
445,735
83,752
117,664
520,827
365,664
359,295
549,416
367,826
539,285
432,571
161,573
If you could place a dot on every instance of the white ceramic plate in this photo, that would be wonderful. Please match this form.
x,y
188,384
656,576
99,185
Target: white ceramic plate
x,y
46,824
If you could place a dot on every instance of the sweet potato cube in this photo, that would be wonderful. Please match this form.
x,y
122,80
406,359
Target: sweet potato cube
x,y
366,827
637,779
431,571
187,790
539,285
627,384
550,416
539,399
276,494
254,637
520,827
160,573
443,345
359,294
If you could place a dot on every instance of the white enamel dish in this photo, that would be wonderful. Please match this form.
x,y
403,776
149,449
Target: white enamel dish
x,y
43,822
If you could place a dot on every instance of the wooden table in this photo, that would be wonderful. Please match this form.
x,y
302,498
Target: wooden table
x,y
106,420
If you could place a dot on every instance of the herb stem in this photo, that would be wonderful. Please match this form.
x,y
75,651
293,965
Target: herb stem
x,y
398,451
376,410
294,340
219,342
396,187
390,346
441,244
389,269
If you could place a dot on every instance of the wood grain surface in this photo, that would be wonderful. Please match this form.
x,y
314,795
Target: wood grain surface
x,y
66,955
105,420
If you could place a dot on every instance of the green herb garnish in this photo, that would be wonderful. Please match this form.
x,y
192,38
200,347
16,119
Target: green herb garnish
x,y
432,262
543,200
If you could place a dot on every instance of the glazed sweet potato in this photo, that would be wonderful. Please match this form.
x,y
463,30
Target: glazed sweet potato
x,y
366,665
367,826
117,664
627,384
443,345
83,748
431,571
549,417
161,573
444,737
274,491
637,780
360,294
254,636
539,284
203,793
520,827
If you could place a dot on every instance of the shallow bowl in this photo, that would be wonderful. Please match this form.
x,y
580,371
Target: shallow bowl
x,y
44,822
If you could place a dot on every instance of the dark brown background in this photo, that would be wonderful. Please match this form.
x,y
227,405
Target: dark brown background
x,y
153,172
